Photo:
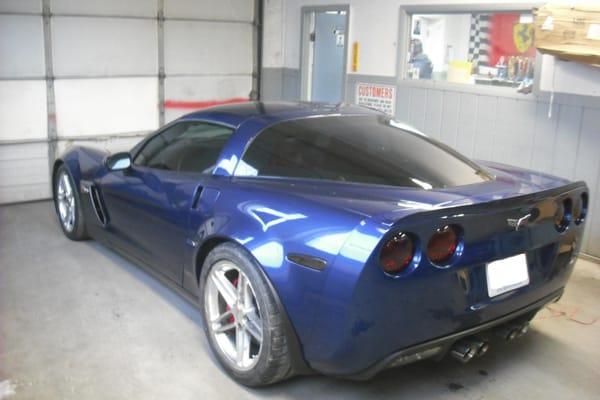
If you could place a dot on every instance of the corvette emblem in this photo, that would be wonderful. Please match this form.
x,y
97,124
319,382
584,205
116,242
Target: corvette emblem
x,y
518,222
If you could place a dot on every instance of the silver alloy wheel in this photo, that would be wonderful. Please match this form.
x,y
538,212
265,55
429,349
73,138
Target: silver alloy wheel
x,y
66,202
233,315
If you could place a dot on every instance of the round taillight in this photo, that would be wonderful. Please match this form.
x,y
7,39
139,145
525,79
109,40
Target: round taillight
x,y
562,216
397,254
443,245
580,206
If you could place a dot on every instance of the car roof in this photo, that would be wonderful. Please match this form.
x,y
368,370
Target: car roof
x,y
272,112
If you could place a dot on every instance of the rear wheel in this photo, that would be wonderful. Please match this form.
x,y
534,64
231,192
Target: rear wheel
x,y
68,205
243,323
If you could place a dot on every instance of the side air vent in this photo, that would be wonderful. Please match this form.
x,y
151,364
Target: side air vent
x,y
196,197
97,205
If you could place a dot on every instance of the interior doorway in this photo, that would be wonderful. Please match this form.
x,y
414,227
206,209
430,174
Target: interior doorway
x,y
323,58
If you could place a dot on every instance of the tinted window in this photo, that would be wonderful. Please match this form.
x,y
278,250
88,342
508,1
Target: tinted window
x,y
367,149
186,146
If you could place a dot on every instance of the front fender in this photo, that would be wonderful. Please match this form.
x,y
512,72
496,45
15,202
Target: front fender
x,y
82,162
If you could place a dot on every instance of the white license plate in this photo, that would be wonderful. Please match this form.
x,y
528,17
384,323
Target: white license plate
x,y
507,274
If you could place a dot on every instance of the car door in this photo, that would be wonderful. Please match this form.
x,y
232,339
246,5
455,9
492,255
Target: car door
x,y
149,203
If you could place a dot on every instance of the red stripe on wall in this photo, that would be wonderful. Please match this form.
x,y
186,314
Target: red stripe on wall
x,y
202,104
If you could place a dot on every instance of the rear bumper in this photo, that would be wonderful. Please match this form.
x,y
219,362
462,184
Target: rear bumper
x,y
440,346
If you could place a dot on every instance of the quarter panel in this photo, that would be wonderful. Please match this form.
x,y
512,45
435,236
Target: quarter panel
x,y
271,224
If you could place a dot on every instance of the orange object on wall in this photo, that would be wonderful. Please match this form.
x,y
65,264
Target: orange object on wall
x,y
509,37
355,56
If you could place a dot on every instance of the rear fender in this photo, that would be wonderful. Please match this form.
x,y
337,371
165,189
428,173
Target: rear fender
x,y
270,228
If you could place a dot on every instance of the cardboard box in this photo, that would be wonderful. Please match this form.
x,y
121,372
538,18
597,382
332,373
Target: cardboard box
x,y
569,30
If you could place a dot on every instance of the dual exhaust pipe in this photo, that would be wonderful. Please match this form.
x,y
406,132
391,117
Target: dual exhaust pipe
x,y
512,331
466,349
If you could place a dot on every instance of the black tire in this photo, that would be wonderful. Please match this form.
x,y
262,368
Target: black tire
x,y
274,363
78,232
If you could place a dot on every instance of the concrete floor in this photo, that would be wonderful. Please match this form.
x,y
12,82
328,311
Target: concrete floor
x,y
79,322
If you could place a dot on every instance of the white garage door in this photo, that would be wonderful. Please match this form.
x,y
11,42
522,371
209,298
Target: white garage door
x,y
107,72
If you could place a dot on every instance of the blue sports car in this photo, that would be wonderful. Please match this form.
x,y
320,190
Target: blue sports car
x,y
328,238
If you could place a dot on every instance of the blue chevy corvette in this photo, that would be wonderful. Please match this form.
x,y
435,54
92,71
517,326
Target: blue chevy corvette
x,y
330,239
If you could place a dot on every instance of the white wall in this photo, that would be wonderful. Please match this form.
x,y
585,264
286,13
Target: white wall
x,y
371,22
273,33
457,35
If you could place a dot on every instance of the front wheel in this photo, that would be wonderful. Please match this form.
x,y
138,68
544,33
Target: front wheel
x,y
68,205
242,320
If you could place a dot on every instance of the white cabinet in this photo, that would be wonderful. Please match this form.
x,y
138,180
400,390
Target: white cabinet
x,y
568,77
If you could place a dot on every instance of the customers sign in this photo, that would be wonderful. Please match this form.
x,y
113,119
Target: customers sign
x,y
379,97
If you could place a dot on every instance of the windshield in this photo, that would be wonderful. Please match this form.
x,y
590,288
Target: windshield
x,y
362,149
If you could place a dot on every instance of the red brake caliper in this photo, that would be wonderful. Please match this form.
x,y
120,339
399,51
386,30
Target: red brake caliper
x,y
231,319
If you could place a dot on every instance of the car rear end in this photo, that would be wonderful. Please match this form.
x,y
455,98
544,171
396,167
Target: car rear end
x,y
440,280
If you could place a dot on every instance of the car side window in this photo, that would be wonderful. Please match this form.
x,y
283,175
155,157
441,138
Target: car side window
x,y
191,146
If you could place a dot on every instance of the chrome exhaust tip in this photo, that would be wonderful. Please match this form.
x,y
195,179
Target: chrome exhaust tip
x,y
481,345
523,329
507,332
483,349
465,350
512,331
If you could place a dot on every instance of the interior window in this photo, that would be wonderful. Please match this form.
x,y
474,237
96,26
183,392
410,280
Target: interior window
x,y
366,149
186,146
482,48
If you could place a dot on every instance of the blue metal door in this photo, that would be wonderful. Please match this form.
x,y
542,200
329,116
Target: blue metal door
x,y
328,65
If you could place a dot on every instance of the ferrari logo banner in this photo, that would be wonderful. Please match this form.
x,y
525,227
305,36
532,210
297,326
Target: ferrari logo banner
x,y
523,37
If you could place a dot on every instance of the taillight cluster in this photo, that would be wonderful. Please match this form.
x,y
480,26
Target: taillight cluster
x,y
402,250
397,253
443,244
568,210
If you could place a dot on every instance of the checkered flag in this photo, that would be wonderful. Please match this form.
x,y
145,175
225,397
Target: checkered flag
x,y
479,42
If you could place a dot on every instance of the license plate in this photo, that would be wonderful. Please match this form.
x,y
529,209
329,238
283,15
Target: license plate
x,y
507,274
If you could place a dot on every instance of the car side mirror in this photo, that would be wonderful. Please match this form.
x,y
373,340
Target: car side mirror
x,y
118,161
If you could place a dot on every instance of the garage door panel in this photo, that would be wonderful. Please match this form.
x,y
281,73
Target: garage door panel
x,y
234,10
24,172
103,106
31,6
207,87
185,94
141,8
193,47
25,192
23,110
94,41
112,144
21,46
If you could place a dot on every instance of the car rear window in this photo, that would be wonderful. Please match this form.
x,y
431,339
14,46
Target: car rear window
x,y
361,149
